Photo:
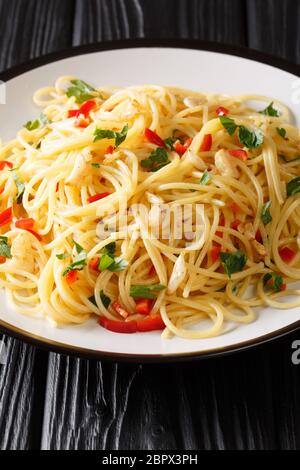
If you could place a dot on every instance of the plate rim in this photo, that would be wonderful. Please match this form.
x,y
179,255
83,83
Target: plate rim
x,y
191,44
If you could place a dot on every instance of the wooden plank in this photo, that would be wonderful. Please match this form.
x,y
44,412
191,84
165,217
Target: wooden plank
x,y
99,20
273,27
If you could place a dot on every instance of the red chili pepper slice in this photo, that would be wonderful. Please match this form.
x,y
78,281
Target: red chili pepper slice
x,y
151,324
94,263
206,143
215,253
234,225
221,111
235,207
2,259
85,109
4,163
37,236
109,150
25,224
258,236
143,306
239,153
6,217
118,326
287,254
154,138
97,197
71,277
119,309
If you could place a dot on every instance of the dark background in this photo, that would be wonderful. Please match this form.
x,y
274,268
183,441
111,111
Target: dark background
x,y
245,401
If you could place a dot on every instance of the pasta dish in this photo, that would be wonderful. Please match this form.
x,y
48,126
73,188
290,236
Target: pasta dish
x,y
152,208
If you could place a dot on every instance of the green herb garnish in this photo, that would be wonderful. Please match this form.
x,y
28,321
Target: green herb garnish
x,y
82,91
282,132
265,213
96,165
109,261
62,256
145,292
250,138
104,298
41,121
79,261
119,137
156,160
277,283
233,262
228,124
270,111
20,187
205,178
170,141
5,249
293,187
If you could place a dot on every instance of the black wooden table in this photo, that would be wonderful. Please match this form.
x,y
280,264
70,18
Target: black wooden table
x,y
245,401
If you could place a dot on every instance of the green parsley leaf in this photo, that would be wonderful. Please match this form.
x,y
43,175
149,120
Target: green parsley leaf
x,y
119,137
79,261
41,121
276,283
170,141
250,138
233,262
5,249
104,298
228,124
205,178
81,90
156,160
145,292
62,256
109,249
270,111
105,262
118,265
20,187
265,213
96,165
293,187
281,131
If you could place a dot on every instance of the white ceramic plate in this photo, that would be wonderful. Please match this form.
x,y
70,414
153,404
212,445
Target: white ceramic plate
x,y
188,64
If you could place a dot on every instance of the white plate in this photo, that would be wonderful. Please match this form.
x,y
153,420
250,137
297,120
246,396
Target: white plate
x,y
188,68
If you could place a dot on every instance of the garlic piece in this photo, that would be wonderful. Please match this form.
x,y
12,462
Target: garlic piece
x,y
22,253
226,164
178,274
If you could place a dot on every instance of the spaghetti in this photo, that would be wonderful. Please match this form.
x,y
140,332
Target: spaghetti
x,y
95,154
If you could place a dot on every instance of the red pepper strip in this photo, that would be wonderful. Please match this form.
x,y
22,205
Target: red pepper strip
x,y
6,217
234,225
287,254
35,234
152,271
57,187
3,163
221,111
215,253
235,207
97,197
71,277
151,324
25,224
144,306
119,309
154,138
2,189
85,109
271,284
118,326
109,150
182,148
206,143
221,223
239,153
94,263
2,259
258,236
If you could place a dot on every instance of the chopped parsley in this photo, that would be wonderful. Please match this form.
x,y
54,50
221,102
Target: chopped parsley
x,y
277,281
270,111
205,178
250,138
111,262
62,256
233,262
265,213
20,187
170,141
82,91
119,137
228,124
96,165
293,187
156,160
5,249
104,298
145,292
79,261
282,132
41,121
